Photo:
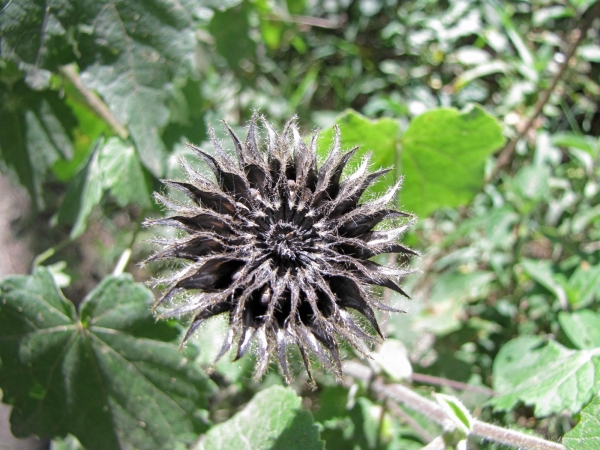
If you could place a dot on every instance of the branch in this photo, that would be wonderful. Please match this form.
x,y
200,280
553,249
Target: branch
x,y
306,20
576,37
433,411
437,381
93,101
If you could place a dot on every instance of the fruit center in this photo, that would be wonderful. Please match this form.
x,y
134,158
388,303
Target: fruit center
x,y
284,242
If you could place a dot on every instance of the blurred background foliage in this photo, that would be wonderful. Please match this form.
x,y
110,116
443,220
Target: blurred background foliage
x,y
98,98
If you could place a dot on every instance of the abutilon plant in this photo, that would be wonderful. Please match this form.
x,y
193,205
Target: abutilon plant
x,y
282,247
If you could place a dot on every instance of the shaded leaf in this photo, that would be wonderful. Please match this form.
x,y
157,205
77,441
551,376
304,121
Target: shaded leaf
x,y
36,131
230,28
122,173
128,52
273,419
84,192
103,375
443,155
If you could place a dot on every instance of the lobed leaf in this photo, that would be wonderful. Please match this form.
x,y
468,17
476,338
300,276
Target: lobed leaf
x,y
128,52
551,377
107,375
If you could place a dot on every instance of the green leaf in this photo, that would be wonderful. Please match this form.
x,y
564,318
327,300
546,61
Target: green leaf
x,y
113,166
104,375
377,136
128,52
552,378
122,173
541,271
443,156
457,411
35,133
231,30
444,312
582,328
586,435
584,285
84,192
273,419
392,356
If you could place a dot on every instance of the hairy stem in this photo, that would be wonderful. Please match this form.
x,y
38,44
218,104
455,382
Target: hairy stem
x,y
94,102
433,411
576,37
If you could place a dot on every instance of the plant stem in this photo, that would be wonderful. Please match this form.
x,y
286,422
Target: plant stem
x,y
576,37
306,20
437,381
93,101
126,255
49,253
435,412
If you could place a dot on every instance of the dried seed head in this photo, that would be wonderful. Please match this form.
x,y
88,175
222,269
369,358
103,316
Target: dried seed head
x,y
281,247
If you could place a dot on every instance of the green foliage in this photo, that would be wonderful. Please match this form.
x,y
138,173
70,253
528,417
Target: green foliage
x,y
550,377
33,139
443,155
586,435
379,138
105,373
273,419
97,99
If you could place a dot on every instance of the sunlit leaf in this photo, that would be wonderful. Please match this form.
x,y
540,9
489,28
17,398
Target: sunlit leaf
x,y
586,435
443,155
551,377
380,137
273,419
582,328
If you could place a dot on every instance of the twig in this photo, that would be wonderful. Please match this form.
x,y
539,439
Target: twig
x,y
93,101
306,20
576,37
437,381
435,412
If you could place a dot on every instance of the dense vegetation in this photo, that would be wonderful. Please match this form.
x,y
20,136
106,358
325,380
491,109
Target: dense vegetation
x,y
488,109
